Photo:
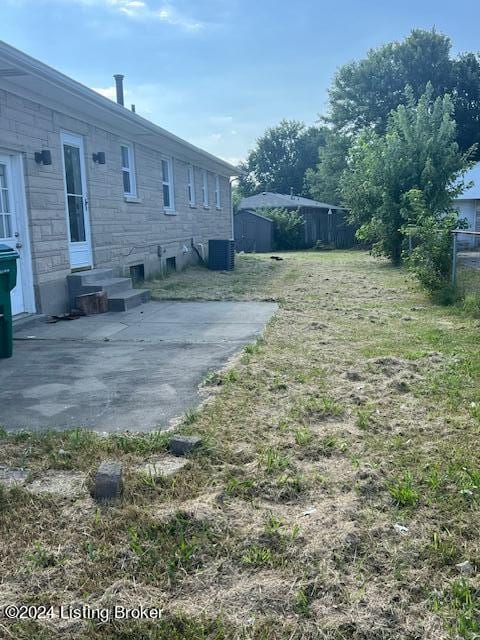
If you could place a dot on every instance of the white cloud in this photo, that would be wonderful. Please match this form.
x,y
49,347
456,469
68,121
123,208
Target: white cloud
x,y
235,160
106,92
161,11
221,119
171,16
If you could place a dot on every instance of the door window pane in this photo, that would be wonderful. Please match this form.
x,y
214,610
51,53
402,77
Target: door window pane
x,y
8,226
4,204
76,218
3,176
5,212
73,173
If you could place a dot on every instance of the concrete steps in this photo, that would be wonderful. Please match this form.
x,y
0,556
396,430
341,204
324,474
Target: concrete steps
x,y
120,292
128,299
111,286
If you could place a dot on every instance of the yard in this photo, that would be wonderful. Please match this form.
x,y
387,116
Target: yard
x,y
336,492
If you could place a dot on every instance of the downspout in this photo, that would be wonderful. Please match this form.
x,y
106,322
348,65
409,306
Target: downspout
x,y
231,208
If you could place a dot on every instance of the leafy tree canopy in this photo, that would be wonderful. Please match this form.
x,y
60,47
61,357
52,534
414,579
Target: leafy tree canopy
x,y
281,157
364,92
323,182
288,230
407,176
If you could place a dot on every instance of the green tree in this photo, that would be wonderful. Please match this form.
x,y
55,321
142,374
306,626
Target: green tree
x,y
419,155
280,159
323,182
288,231
364,92
236,197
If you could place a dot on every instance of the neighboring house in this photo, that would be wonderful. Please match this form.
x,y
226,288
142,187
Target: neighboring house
x,y
468,203
86,183
323,222
253,232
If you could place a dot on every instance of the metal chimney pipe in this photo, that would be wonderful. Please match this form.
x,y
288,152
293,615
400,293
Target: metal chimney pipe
x,y
119,84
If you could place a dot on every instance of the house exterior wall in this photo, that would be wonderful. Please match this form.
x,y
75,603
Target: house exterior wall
x,y
123,233
477,217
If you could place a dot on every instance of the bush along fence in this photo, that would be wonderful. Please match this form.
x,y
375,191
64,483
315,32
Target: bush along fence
x,y
446,262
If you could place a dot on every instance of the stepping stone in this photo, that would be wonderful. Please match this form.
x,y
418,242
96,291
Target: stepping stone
x,y
12,476
181,445
64,483
108,482
161,467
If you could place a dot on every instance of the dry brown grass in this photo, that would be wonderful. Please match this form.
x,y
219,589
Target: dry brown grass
x,y
349,416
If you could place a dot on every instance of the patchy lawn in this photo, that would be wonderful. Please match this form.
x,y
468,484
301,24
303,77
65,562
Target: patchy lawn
x,y
335,494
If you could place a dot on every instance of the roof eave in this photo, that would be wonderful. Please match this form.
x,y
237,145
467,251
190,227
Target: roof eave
x,y
31,65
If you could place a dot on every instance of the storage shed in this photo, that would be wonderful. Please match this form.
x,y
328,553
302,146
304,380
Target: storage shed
x,y
323,222
253,232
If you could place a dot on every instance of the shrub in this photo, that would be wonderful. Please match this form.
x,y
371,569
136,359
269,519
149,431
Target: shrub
x,y
471,305
288,228
431,259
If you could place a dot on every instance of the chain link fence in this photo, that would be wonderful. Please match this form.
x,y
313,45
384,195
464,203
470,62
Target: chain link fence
x,y
466,262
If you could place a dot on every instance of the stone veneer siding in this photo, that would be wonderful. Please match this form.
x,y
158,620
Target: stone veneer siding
x,y
123,233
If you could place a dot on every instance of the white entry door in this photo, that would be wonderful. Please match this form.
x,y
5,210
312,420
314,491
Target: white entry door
x,y
77,203
12,228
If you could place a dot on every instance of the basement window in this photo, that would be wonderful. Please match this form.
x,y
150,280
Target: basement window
x,y
137,273
171,264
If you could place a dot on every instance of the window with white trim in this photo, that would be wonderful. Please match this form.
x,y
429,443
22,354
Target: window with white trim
x,y
205,188
167,181
191,185
128,171
218,203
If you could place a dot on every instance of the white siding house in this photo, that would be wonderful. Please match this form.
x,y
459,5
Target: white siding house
x,y
468,203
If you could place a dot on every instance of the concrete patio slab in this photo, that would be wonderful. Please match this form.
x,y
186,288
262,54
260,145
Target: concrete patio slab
x,y
134,370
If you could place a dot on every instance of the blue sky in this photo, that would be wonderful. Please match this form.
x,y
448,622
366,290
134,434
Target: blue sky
x,y
218,72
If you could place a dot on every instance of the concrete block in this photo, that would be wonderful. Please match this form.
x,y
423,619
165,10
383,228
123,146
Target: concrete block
x,y
161,467
108,482
12,476
181,445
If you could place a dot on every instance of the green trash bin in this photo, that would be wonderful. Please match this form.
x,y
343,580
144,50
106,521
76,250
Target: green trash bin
x,y
8,279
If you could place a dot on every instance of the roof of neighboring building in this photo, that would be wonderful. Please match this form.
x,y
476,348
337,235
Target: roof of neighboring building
x,y
473,175
279,200
34,80
254,213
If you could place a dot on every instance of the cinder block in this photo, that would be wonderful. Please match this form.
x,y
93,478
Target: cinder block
x,y
181,445
108,482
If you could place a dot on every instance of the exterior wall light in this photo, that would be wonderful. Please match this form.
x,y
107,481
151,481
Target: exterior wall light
x,y
43,157
99,157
